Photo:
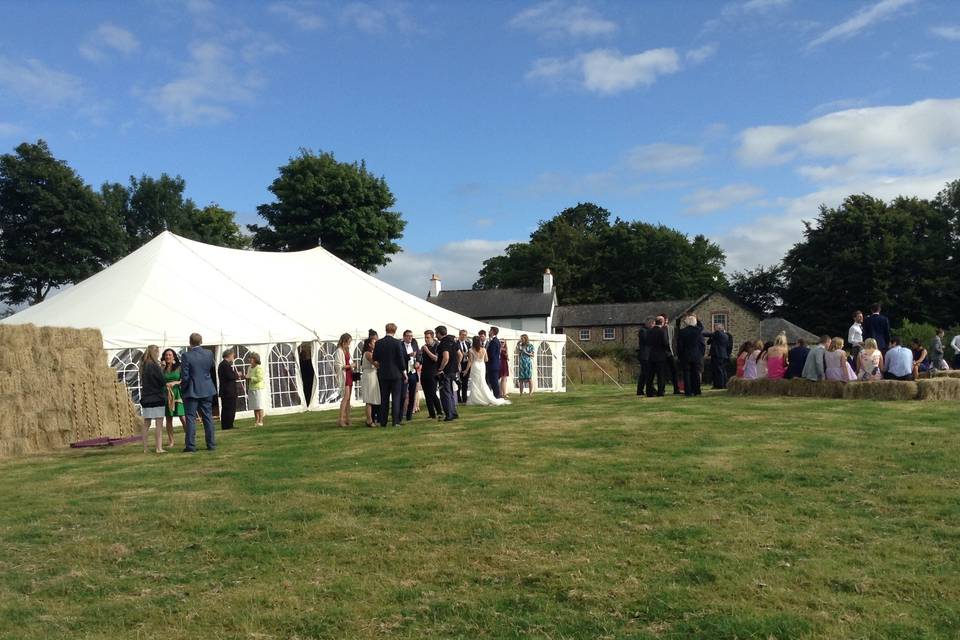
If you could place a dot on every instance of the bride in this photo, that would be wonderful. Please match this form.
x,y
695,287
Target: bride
x,y
480,393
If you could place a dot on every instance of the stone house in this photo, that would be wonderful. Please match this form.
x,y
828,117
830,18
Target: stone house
x,y
616,325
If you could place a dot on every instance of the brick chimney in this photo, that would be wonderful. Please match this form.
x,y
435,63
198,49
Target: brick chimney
x,y
547,281
434,286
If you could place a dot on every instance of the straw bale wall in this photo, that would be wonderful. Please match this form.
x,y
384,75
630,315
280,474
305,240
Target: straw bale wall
x,y
56,388
942,388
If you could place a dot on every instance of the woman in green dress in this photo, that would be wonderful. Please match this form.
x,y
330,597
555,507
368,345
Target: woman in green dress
x,y
170,363
525,370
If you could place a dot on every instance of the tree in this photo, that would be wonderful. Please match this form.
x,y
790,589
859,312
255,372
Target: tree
x,y
898,254
337,205
760,288
594,260
148,206
54,230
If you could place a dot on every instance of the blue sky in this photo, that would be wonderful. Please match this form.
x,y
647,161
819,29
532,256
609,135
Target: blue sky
x,y
734,119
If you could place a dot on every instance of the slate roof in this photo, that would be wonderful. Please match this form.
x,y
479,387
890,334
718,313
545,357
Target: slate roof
x,y
496,303
771,327
593,315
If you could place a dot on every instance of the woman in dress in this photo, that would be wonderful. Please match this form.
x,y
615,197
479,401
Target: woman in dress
x,y
153,396
750,369
170,362
480,393
920,362
870,362
369,385
745,349
838,367
525,372
256,388
344,378
504,369
776,358
762,359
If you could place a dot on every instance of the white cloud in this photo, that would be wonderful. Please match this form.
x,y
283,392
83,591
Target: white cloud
x,y
950,32
836,105
377,18
704,201
861,20
457,263
661,156
211,83
106,39
557,18
305,15
763,5
38,84
909,138
696,56
607,71
9,130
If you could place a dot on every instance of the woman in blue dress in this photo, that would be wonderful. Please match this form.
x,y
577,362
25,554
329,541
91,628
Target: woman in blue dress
x,y
525,371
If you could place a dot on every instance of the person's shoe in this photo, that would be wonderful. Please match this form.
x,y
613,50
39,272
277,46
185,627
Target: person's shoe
x,y
449,419
189,451
211,448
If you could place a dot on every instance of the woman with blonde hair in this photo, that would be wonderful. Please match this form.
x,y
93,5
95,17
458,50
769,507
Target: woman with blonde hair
x,y
526,351
153,396
870,362
344,378
838,367
776,357
256,388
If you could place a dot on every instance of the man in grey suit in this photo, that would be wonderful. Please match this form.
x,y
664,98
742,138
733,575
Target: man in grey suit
x,y
815,368
198,387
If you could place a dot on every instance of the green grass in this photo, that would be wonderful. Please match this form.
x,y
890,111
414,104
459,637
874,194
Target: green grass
x,y
592,514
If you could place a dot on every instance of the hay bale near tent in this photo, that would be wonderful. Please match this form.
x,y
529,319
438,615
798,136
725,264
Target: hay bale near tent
x,y
940,388
56,388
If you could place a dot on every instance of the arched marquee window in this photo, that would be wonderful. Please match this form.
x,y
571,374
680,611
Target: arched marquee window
x,y
241,365
127,365
563,367
357,361
283,376
544,366
327,390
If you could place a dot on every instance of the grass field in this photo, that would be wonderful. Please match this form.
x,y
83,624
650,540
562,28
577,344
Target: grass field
x,y
592,514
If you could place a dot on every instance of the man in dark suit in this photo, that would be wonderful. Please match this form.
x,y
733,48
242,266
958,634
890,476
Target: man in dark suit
x,y
430,362
391,359
797,357
659,346
877,326
463,348
448,368
690,354
228,389
643,355
493,362
671,362
719,356
198,386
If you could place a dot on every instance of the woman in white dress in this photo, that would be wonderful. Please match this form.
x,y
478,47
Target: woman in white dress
x,y
480,393
369,385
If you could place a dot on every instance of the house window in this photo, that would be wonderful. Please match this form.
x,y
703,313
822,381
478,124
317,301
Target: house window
x,y
718,318
609,333
584,335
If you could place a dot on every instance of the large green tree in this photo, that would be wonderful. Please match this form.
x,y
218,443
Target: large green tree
x,y
338,205
148,206
760,288
54,230
596,260
900,254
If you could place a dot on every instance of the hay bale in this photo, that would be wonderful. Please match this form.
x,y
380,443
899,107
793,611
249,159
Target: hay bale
x,y
881,390
944,374
945,388
796,388
19,336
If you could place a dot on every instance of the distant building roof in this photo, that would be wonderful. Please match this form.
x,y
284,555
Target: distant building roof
x,y
496,303
591,315
771,327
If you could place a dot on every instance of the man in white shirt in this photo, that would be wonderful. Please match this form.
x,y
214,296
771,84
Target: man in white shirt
x,y
855,337
955,345
898,362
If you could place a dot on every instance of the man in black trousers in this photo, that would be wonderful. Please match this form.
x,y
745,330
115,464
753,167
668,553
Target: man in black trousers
x,y
391,362
430,360
690,355
463,348
719,356
659,346
228,389
643,355
671,362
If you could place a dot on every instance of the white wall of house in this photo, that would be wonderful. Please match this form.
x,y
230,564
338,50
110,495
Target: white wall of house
x,y
539,324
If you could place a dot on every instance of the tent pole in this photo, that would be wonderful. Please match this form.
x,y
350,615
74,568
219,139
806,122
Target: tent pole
x,y
570,340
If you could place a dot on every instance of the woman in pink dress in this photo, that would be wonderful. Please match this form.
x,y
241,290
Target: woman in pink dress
x,y
745,350
838,368
777,357
750,369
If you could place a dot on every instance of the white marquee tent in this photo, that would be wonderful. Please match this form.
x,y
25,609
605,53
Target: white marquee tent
x,y
270,303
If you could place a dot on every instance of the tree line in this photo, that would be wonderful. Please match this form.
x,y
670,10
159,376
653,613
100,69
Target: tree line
x,y
56,230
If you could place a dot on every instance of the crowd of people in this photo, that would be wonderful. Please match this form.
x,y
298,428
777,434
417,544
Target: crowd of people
x,y
869,353
874,354
392,374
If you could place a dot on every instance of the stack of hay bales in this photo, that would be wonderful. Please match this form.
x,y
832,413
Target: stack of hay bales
x,y
942,387
802,388
881,390
56,388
